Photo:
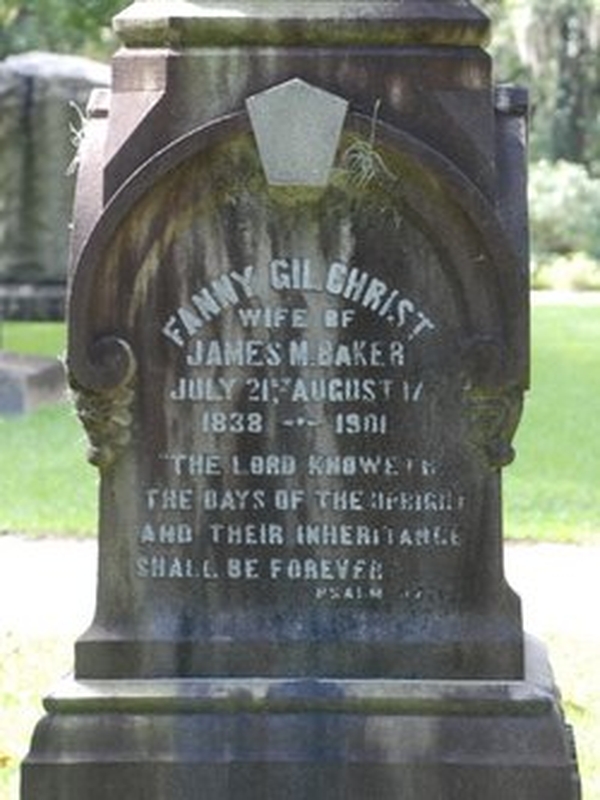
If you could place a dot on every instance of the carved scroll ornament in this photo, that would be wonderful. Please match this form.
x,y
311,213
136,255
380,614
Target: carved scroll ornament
x,y
105,412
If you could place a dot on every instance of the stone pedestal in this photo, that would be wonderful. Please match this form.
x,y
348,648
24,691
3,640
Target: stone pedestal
x,y
242,739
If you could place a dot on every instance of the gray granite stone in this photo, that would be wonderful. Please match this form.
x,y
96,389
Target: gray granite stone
x,y
297,129
314,391
257,738
322,22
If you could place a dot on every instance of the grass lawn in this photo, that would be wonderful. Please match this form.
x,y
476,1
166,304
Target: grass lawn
x,y
552,490
49,488
41,338
29,669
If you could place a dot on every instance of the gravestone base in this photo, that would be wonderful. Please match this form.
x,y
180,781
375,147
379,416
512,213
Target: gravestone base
x,y
28,381
234,739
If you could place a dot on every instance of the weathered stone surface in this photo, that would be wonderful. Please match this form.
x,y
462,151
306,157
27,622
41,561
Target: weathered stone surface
x,y
29,381
354,23
318,416
300,396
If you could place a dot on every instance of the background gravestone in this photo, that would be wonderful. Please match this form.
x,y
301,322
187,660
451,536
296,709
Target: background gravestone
x,y
28,381
298,339
36,150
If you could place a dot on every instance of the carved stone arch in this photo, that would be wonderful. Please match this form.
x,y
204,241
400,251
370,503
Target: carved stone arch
x,y
106,367
433,192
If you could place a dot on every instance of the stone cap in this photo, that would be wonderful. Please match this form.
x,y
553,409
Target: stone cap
x,y
188,23
58,66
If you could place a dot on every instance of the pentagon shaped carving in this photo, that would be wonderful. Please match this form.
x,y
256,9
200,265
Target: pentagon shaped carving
x,y
297,129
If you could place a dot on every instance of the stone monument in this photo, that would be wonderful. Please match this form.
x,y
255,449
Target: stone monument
x,y
299,345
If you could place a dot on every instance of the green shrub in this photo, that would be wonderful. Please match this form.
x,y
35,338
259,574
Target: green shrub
x,y
564,207
573,272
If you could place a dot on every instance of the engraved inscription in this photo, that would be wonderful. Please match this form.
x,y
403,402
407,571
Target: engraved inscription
x,y
303,383
357,286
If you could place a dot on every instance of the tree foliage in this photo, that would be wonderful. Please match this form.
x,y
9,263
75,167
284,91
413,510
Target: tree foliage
x,y
554,188
81,26
551,45
554,47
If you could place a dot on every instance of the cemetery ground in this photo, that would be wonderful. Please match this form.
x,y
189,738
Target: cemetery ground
x,y
552,505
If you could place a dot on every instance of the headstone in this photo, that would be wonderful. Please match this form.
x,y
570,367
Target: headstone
x,y
39,97
27,382
299,345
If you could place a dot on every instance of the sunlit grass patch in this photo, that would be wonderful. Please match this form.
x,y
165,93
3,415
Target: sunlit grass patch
x,y
552,491
47,485
29,669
